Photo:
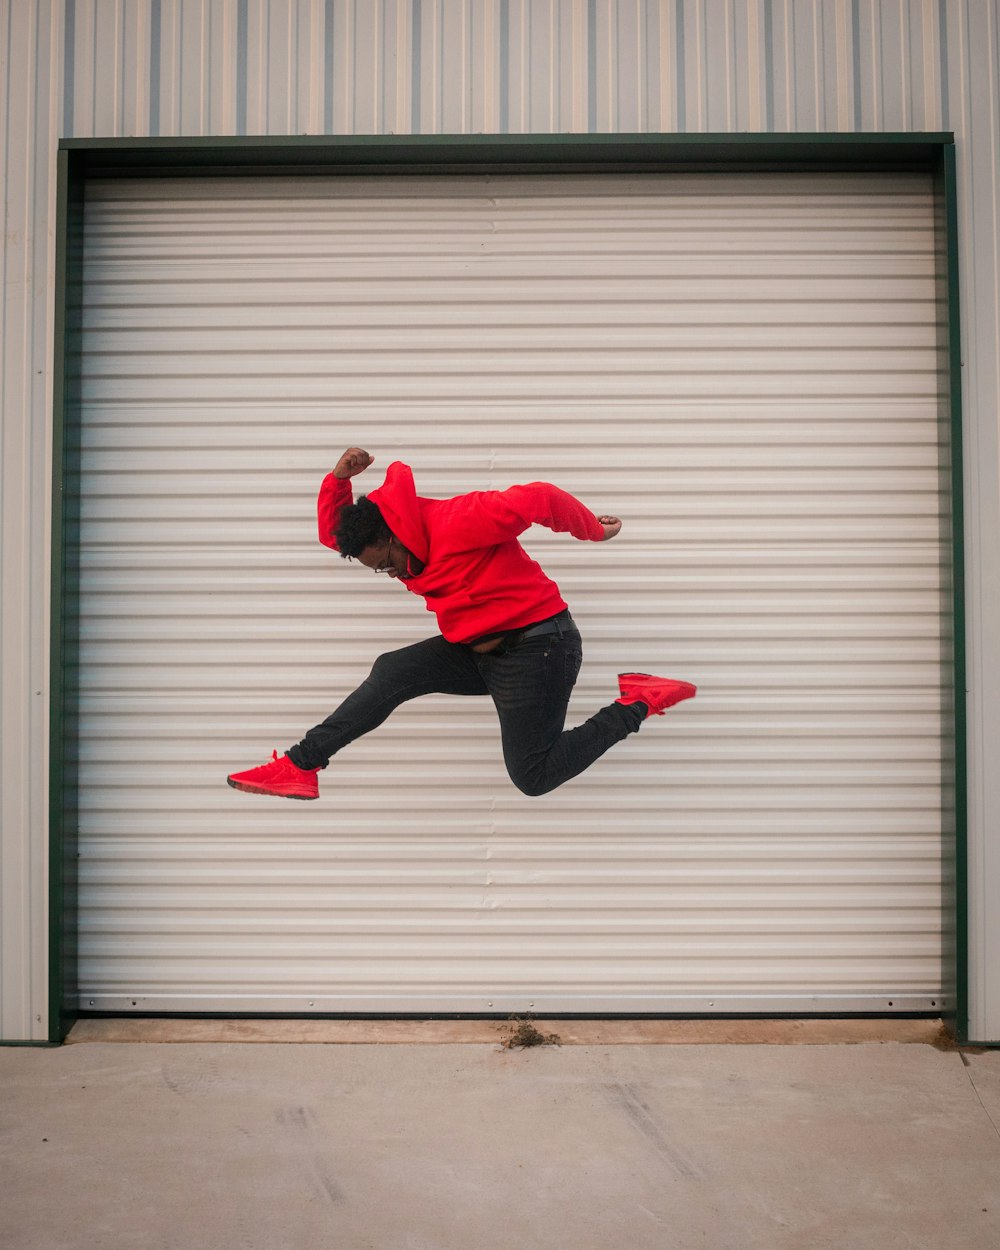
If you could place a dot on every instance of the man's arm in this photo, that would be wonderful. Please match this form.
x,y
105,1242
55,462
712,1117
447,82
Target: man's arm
x,y
484,518
335,492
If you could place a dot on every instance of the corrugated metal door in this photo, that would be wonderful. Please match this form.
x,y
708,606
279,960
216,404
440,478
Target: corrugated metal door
x,y
746,368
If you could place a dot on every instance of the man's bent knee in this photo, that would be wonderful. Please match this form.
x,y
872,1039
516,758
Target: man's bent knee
x,y
393,666
531,783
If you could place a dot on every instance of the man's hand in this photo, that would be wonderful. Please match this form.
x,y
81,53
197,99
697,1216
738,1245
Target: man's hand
x,y
611,526
352,462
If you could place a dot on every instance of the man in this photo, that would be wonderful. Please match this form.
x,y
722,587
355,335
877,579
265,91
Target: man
x,y
505,629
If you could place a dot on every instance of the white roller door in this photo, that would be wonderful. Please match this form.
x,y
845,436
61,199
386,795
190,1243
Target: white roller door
x,y
747,369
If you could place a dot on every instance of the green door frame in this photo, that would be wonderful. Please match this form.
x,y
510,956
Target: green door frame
x,y
83,159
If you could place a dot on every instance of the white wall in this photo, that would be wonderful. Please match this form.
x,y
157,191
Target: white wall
x,y
217,67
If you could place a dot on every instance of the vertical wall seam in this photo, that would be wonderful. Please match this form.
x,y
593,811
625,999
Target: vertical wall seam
x,y
416,66
856,63
503,86
69,66
769,65
944,89
155,44
681,79
592,66
242,36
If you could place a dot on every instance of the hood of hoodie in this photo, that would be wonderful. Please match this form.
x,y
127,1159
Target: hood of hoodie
x,y
402,508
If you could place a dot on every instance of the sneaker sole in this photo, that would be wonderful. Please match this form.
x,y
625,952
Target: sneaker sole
x,y
249,788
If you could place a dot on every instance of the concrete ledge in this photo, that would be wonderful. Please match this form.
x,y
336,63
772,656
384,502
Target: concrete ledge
x,y
465,1032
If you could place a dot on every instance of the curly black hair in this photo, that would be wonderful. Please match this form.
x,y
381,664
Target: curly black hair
x,y
360,525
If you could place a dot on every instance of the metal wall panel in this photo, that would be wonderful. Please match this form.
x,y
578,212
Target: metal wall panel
x,y
137,67
972,35
748,369
28,129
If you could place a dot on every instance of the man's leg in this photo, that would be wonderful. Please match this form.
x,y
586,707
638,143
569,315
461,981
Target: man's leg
x,y
433,666
531,685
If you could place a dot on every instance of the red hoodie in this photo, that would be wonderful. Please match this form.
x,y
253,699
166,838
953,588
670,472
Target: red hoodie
x,y
478,579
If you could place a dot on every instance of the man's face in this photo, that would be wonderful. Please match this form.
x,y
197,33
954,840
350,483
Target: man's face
x,y
392,558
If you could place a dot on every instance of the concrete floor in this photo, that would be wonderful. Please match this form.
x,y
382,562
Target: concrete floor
x,y
251,1146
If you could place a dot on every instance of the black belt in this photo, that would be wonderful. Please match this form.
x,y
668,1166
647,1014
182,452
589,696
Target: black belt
x,y
554,625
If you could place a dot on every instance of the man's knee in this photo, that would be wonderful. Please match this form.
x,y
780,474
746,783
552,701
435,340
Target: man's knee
x,y
530,781
391,666
383,665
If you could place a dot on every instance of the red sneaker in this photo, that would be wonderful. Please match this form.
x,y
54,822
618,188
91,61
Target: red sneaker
x,y
279,777
658,693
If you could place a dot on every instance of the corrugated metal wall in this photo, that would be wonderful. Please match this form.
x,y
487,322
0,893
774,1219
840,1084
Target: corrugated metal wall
x,y
141,67
748,368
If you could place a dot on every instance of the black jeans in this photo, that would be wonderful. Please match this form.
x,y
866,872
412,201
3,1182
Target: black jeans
x,y
529,680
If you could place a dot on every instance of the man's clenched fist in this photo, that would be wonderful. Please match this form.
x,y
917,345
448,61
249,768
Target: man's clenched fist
x,y
354,461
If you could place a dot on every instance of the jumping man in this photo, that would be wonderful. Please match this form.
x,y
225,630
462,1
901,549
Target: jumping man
x,y
505,629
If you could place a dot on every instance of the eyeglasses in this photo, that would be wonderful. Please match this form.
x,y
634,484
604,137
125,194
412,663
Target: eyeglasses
x,y
407,572
386,565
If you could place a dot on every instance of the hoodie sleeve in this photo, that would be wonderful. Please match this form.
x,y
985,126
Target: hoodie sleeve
x,y
485,518
334,494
